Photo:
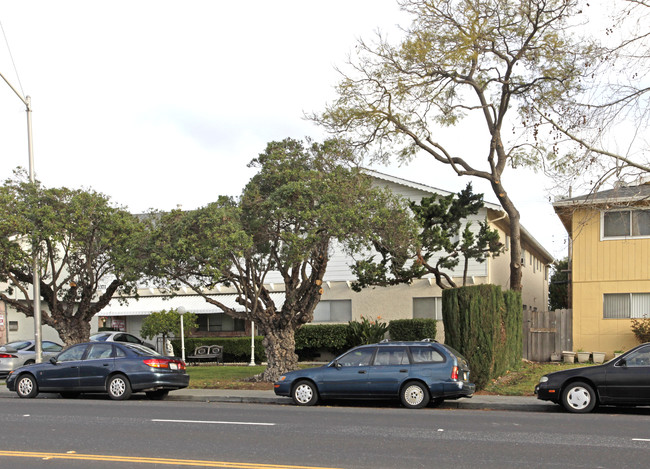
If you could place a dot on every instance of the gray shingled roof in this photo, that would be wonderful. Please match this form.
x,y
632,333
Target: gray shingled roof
x,y
623,194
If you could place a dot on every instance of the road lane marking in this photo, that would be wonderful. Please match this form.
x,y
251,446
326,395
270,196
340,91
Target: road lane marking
x,y
640,439
143,460
222,422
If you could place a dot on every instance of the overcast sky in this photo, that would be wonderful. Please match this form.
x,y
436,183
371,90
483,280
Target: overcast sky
x,y
163,103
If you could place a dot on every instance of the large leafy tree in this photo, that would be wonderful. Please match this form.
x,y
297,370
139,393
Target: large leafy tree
x,y
305,198
486,60
445,239
167,323
87,251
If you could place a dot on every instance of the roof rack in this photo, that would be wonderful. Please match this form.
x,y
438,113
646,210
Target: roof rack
x,y
429,340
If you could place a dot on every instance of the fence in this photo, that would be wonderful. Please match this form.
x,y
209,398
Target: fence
x,y
547,332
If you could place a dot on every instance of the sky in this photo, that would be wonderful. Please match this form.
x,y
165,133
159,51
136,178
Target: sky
x,y
160,104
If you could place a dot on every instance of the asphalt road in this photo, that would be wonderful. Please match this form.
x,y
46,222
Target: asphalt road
x,y
84,433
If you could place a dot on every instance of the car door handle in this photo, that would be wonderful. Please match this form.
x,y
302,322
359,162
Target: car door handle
x,y
403,371
106,364
361,372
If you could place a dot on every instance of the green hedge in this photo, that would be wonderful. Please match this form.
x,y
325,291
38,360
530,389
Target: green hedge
x,y
412,329
235,349
484,324
311,339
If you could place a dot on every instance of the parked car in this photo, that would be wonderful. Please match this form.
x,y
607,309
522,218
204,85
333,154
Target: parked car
x,y
624,380
23,352
418,373
116,368
109,336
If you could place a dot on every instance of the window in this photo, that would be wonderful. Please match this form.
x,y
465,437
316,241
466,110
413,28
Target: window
x,y
625,224
639,357
99,351
426,355
72,354
626,305
429,308
333,311
359,357
391,356
219,323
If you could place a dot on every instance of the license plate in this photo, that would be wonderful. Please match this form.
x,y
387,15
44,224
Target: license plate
x,y
173,366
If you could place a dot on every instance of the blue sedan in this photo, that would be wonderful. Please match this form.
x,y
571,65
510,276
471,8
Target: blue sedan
x,y
418,373
118,369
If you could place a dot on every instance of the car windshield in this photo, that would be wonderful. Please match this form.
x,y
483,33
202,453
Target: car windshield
x,y
142,350
19,345
99,337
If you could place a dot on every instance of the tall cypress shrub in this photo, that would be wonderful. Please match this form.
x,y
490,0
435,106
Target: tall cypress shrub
x,y
484,324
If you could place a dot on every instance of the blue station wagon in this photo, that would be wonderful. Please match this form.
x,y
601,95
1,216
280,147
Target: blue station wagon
x,y
418,373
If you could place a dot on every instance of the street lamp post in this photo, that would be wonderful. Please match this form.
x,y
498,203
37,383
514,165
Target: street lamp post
x,y
181,311
252,363
27,101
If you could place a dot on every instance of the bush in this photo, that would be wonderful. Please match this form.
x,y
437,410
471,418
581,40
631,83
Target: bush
x,y
484,324
412,329
312,339
641,329
367,331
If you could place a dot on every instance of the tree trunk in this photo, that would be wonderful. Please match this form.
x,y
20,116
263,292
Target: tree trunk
x,y
515,235
279,344
72,330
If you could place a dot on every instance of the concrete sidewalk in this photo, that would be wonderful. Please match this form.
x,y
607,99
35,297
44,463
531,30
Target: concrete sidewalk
x,y
478,402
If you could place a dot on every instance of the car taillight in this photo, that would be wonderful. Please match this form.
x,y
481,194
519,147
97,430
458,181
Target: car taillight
x,y
164,363
454,373
7,355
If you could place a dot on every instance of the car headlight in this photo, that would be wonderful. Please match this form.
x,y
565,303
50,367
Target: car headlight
x,y
282,378
543,379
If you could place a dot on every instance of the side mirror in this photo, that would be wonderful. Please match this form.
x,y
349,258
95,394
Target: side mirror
x,y
622,362
336,364
53,360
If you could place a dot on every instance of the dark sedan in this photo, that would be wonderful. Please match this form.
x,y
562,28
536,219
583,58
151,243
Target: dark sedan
x,y
418,373
118,369
624,380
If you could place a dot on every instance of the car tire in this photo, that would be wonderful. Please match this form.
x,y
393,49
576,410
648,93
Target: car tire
x,y
579,397
26,386
304,393
158,395
414,395
118,387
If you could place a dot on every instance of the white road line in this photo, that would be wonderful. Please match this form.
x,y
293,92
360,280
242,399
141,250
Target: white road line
x,y
640,439
214,422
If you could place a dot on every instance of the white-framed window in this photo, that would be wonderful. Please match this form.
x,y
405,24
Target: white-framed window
x,y
626,305
618,224
428,308
333,311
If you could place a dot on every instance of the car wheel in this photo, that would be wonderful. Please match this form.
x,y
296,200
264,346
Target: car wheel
x,y
70,395
579,397
119,387
305,393
158,395
26,386
414,395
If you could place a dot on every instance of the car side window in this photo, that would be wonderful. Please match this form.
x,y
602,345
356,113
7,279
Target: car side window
x,y
391,356
639,357
99,351
73,353
119,353
51,347
360,357
131,339
426,355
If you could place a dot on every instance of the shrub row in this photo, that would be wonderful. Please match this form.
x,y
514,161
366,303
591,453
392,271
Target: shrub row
x,y
311,340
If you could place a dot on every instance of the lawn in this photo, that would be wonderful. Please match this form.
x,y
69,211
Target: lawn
x,y
515,383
